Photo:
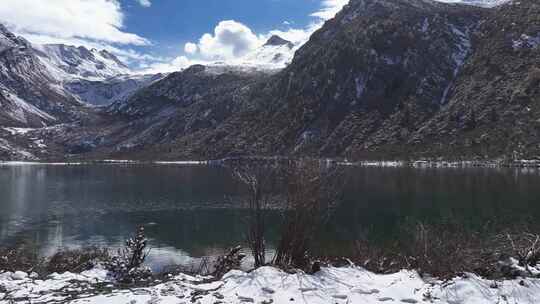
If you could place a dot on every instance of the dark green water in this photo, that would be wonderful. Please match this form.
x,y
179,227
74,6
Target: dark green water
x,y
193,211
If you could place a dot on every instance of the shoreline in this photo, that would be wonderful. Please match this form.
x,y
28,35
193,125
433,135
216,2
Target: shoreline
x,y
523,163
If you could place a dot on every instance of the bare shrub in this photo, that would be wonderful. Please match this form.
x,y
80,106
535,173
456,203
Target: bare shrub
x,y
312,190
446,250
127,265
22,257
525,247
231,260
260,178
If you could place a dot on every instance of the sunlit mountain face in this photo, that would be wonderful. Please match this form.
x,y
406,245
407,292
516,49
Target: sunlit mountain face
x,y
359,79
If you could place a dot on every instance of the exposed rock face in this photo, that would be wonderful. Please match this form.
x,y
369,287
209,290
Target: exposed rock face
x,y
183,105
493,107
369,77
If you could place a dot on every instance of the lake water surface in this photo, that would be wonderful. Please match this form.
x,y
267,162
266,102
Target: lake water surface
x,y
194,211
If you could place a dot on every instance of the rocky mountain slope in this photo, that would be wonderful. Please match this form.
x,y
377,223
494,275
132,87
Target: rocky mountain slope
x,y
92,76
368,78
383,79
29,94
392,78
493,106
45,86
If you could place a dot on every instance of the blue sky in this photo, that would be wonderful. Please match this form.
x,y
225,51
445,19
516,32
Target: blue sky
x,y
169,24
153,33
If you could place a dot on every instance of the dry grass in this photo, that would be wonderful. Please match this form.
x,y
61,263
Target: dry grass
x,y
76,260
447,251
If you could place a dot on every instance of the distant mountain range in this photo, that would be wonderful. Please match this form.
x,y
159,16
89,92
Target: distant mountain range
x,y
384,79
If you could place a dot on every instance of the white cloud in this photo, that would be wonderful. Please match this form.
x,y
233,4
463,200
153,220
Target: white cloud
x,y
97,20
230,40
191,48
233,41
177,64
99,24
330,8
145,3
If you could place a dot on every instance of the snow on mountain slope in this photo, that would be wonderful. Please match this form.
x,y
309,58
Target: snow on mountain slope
x,y
482,3
30,95
110,90
44,84
277,52
7,39
273,56
70,62
20,110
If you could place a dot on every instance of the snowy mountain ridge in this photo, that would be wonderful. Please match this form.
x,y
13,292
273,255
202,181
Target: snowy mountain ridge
x,y
70,62
271,57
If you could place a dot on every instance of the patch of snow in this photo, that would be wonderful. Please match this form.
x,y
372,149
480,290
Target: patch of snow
x,y
180,162
20,285
390,60
482,3
445,93
270,285
18,109
526,42
218,68
118,161
19,131
360,82
19,275
425,25
39,143
382,164
463,49
16,152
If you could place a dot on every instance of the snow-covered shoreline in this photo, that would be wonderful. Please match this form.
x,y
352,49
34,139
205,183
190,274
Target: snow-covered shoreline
x,y
270,285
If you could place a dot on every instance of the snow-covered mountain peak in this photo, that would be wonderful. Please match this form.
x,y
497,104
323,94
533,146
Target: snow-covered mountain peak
x,y
272,56
69,62
276,40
